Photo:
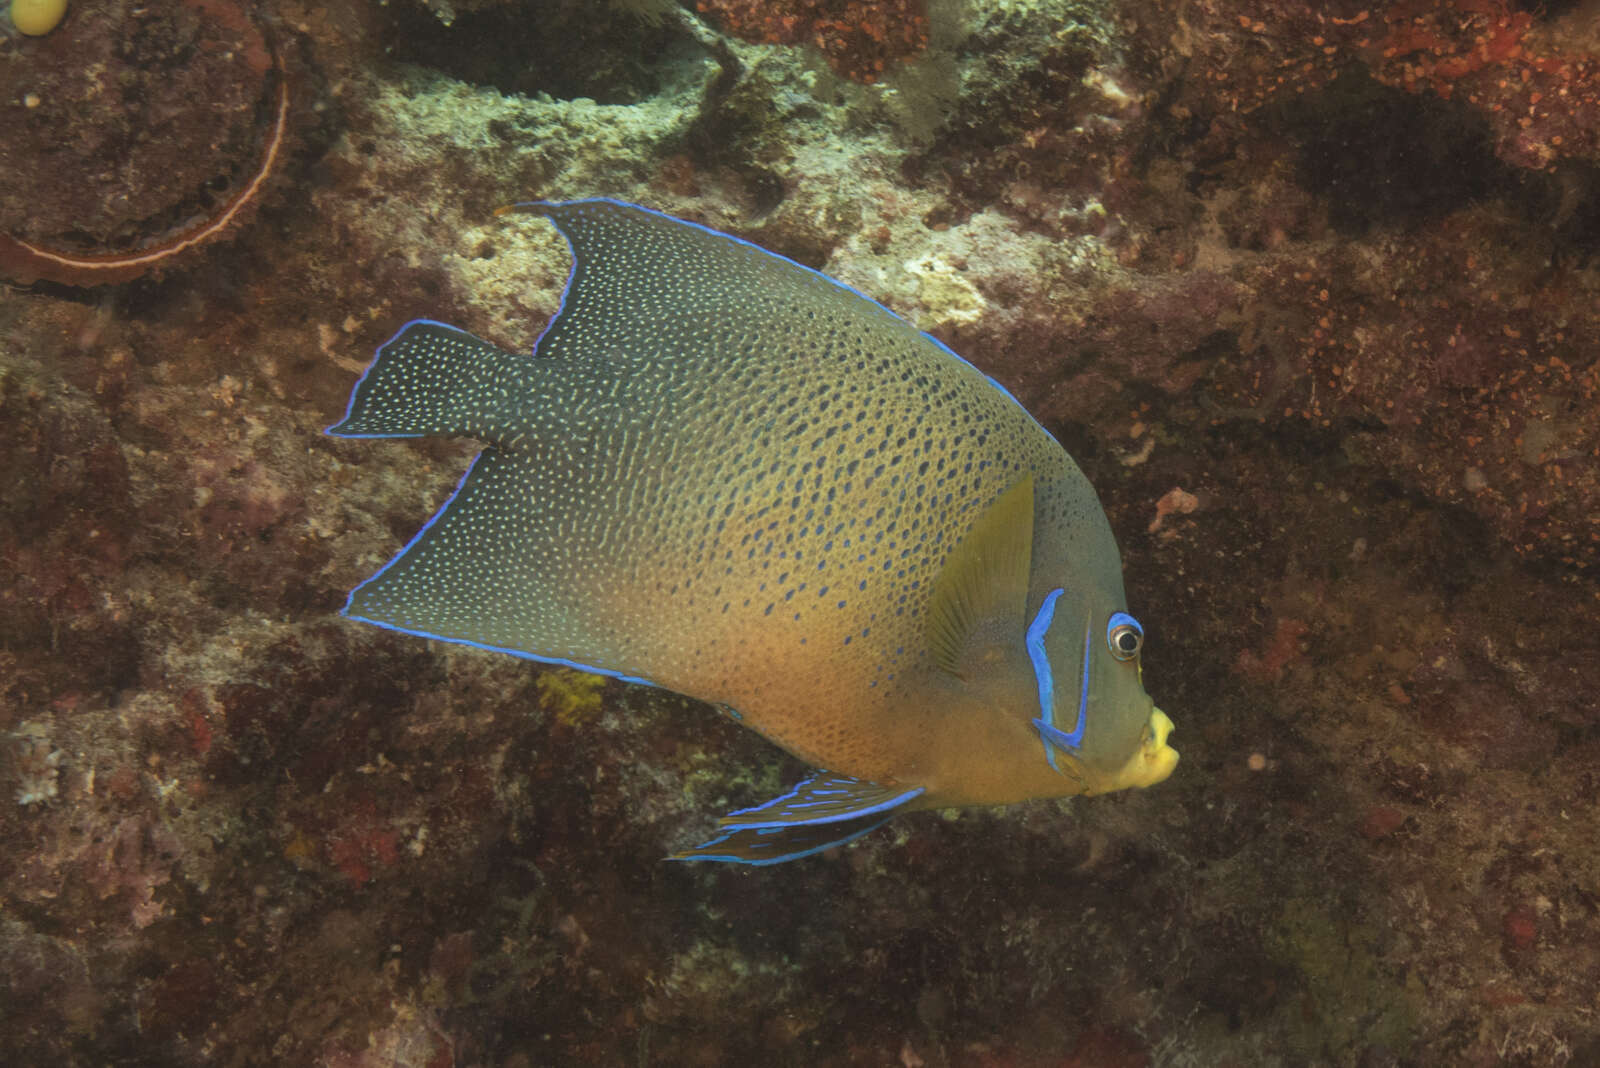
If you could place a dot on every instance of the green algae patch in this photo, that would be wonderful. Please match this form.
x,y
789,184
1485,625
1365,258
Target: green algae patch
x,y
1352,1000
573,696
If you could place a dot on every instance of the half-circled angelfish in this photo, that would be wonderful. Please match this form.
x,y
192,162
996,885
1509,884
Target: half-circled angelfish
x,y
726,474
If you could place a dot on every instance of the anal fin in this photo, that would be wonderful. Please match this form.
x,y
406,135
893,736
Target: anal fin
x,y
821,812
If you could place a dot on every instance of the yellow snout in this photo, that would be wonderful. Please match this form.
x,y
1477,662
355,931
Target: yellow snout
x,y
1154,760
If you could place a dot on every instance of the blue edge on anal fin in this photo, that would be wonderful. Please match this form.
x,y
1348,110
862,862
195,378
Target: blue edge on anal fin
x,y
819,813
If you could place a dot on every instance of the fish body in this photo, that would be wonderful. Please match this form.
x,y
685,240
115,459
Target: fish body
x,y
725,474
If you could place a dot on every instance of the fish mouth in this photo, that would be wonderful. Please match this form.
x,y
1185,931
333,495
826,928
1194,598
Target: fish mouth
x,y
1154,760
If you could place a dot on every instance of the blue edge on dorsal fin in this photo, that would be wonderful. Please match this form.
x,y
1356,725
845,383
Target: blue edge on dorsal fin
x,y
821,812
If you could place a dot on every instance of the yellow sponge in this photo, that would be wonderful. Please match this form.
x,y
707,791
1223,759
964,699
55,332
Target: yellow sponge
x,y
37,17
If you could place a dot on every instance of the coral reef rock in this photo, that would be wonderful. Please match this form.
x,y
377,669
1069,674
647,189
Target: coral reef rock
x,y
1309,290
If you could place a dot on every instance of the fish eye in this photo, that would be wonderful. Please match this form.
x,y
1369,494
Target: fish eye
x,y
1124,636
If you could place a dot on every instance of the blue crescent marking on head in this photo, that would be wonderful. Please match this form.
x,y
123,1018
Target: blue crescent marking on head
x,y
1041,664
1052,736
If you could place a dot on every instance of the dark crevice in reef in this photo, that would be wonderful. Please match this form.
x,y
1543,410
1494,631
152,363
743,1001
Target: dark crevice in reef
x,y
1547,9
1384,157
598,51
1575,212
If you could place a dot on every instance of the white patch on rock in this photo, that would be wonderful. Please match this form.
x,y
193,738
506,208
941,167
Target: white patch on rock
x,y
945,292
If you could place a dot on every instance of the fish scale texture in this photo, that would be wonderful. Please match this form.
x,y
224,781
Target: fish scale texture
x,y
720,472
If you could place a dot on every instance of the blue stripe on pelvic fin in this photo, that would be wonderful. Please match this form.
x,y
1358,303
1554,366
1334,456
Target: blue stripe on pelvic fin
x,y
1043,675
823,799
550,209
761,846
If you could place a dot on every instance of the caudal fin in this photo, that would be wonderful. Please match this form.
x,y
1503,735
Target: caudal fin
x,y
432,379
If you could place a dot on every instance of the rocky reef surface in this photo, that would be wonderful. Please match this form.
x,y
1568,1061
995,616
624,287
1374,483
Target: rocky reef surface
x,y
1308,289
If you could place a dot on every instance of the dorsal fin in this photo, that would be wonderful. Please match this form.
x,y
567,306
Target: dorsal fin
x,y
986,577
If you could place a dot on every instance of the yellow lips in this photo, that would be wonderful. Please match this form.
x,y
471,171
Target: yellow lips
x,y
1153,761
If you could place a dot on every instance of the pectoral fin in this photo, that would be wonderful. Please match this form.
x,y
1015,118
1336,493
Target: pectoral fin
x,y
823,811
984,581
